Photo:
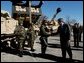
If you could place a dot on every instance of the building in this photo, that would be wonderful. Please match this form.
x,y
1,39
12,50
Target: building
x,y
20,9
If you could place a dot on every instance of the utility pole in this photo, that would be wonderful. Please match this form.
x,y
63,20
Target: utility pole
x,y
30,11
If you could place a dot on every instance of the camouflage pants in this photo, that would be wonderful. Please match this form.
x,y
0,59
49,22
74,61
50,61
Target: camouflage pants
x,y
44,44
30,41
20,44
32,44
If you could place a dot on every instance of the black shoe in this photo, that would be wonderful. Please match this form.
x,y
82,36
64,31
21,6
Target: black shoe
x,y
20,54
63,60
43,53
74,46
32,50
71,60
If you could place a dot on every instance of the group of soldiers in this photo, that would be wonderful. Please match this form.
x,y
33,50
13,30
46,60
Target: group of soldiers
x,y
22,35
77,31
64,34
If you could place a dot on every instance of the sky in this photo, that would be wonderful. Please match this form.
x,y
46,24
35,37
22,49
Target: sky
x,y
73,9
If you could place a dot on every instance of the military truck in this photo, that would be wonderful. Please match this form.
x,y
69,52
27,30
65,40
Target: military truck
x,y
20,10
8,26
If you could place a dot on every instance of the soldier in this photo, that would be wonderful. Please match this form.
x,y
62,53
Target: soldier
x,y
44,37
31,34
76,35
80,32
20,36
64,32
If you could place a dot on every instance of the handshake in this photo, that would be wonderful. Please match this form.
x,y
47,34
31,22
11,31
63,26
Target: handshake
x,y
50,33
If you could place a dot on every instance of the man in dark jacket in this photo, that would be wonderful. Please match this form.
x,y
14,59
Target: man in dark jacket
x,y
80,32
76,35
64,32
44,36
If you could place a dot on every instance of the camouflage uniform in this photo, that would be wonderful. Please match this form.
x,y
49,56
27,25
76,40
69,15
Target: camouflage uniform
x,y
44,38
31,34
20,36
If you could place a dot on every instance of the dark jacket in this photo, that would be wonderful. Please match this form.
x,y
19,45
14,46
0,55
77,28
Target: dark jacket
x,y
75,30
43,31
64,32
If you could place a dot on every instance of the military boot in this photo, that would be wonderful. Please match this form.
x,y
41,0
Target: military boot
x,y
20,53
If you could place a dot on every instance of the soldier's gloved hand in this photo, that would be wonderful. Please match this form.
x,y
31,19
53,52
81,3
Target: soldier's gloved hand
x,y
49,33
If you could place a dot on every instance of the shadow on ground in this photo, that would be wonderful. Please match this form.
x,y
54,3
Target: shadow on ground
x,y
56,59
54,45
80,48
56,39
14,51
44,56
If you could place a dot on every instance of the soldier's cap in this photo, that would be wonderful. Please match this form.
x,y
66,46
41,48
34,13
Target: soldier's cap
x,y
45,21
60,20
75,23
